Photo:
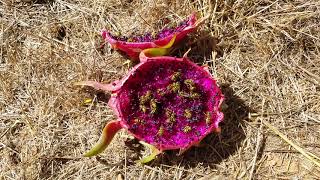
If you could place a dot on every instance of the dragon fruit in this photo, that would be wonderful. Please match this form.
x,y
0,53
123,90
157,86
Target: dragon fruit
x,y
132,46
165,102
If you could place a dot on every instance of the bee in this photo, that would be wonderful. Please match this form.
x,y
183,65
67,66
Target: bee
x,y
194,95
160,131
160,92
187,113
138,121
145,98
208,117
153,106
174,87
187,129
176,76
183,94
171,116
148,94
190,84
143,108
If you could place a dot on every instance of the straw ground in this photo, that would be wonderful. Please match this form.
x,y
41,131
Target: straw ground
x,y
264,54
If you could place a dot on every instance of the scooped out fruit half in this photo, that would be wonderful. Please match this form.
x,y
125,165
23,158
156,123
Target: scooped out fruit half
x,y
166,102
133,45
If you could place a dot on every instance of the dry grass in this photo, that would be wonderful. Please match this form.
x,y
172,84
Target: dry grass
x,y
265,55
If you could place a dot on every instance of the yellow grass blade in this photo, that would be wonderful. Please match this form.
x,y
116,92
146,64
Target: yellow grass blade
x,y
298,148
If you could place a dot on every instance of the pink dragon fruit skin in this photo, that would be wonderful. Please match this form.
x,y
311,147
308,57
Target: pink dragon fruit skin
x,y
167,102
134,45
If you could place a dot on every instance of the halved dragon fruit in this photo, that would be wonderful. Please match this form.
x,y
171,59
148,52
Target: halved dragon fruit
x,y
166,102
132,46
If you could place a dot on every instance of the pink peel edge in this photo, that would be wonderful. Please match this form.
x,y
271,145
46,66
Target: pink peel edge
x,y
133,49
